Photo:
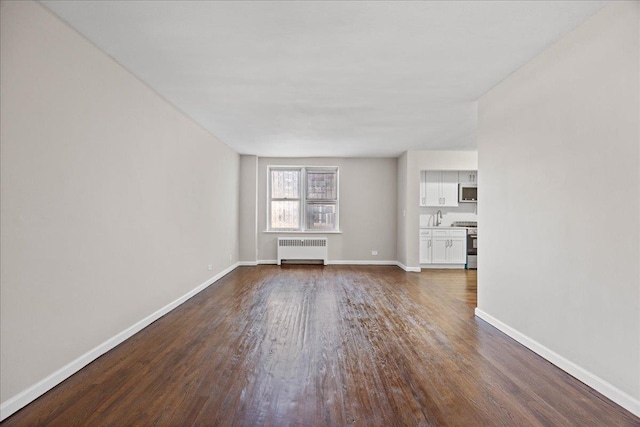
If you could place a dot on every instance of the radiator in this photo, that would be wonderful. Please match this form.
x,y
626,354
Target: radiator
x,y
305,248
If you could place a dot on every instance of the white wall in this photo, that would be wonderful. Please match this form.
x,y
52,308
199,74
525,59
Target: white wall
x,y
368,206
401,237
445,160
462,212
248,233
559,153
409,193
113,203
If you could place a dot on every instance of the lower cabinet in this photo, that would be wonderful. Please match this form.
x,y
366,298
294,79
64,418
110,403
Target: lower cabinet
x,y
457,253
443,246
440,250
425,247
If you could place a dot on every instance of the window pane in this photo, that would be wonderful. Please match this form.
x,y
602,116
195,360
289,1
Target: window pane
x,y
321,216
285,214
285,184
322,185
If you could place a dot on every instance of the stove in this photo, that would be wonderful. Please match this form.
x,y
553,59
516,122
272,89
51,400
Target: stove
x,y
466,224
472,242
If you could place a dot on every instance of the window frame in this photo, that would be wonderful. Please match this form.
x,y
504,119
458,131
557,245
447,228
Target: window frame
x,y
304,199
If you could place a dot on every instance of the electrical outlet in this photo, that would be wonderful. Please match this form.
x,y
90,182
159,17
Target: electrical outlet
x,y
210,267
230,257
374,252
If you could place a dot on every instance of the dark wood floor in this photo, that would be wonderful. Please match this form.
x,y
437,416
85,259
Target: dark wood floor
x,y
325,346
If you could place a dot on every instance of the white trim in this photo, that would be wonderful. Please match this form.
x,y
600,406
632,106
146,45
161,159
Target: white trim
x,y
442,266
409,269
595,382
354,262
248,263
27,396
361,262
302,224
303,231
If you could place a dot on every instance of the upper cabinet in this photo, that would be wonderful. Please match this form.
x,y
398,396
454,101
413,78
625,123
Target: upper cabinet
x,y
468,177
433,188
423,188
439,188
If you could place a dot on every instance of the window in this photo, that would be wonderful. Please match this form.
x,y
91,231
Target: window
x,y
303,198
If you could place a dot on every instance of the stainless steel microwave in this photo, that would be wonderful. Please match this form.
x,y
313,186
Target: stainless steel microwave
x,y
468,193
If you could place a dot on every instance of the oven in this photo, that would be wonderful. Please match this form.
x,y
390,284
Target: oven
x,y
472,248
472,242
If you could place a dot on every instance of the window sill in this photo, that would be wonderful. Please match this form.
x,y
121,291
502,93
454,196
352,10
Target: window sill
x,y
303,232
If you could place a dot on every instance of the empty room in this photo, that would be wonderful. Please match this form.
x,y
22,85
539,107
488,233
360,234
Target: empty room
x,y
247,213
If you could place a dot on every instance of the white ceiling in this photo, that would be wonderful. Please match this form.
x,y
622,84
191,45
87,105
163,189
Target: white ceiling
x,y
326,78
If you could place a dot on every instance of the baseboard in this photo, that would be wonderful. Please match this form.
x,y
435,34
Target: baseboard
x,y
409,269
442,266
27,396
361,262
248,263
590,379
354,262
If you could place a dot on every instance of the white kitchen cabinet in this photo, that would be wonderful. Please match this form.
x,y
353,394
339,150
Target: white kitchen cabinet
x,y
432,188
450,188
440,188
423,188
447,246
425,246
457,253
439,251
468,177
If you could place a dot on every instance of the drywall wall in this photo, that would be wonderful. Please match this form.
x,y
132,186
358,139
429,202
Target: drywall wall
x,y
368,206
445,160
401,237
248,210
113,203
462,212
416,161
559,152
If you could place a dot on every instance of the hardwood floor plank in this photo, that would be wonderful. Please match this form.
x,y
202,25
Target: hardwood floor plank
x,y
320,346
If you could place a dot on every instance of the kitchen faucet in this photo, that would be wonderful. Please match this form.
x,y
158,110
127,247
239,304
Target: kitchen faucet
x,y
438,214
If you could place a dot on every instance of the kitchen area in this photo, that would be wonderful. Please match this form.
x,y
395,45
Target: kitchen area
x,y
448,219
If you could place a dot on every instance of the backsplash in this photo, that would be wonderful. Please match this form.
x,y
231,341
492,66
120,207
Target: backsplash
x,y
464,212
